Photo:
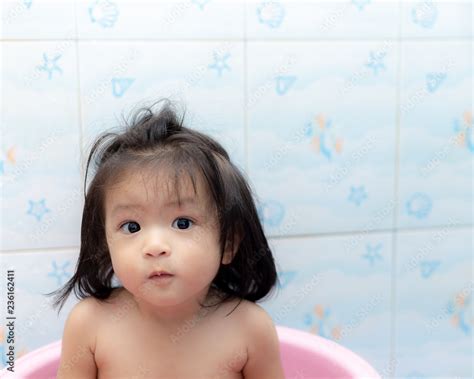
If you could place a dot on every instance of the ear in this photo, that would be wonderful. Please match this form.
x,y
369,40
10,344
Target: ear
x,y
230,251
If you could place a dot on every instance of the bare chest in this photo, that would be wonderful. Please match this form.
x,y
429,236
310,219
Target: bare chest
x,y
126,350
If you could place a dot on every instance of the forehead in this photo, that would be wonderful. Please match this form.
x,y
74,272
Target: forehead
x,y
157,189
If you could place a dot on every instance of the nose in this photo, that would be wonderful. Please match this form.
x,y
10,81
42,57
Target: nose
x,y
156,243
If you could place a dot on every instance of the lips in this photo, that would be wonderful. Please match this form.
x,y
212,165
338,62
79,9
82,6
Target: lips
x,y
160,273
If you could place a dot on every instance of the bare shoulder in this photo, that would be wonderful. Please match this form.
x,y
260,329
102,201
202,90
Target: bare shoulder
x,y
86,305
87,315
253,315
84,310
263,345
83,316
255,323
79,341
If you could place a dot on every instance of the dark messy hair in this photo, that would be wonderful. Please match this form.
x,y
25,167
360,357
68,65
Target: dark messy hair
x,y
159,140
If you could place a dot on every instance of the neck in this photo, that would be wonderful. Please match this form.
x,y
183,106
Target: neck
x,y
178,319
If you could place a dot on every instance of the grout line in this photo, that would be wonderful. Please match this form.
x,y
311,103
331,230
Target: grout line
x,y
245,61
43,250
79,102
396,185
370,232
433,39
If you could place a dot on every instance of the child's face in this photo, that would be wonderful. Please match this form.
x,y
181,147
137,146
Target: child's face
x,y
156,235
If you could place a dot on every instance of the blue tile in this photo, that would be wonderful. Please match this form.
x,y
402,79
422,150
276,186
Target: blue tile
x,y
191,19
330,289
37,322
212,96
41,156
321,152
434,303
304,19
33,19
436,134
436,19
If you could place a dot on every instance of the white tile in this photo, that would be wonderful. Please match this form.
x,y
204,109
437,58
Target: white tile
x,y
41,180
434,19
34,275
330,288
148,19
309,19
435,184
434,302
117,78
322,135
33,19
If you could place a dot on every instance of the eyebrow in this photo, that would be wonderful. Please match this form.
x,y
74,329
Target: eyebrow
x,y
169,204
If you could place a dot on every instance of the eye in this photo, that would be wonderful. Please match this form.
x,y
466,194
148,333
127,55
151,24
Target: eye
x,y
133,227
183,222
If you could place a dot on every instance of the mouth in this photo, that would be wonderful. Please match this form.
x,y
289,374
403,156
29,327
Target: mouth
x,y
160,274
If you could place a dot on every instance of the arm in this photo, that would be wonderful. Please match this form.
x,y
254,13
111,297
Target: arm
x,y
263,349
78,343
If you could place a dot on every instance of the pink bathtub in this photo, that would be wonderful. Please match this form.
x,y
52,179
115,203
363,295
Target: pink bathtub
x,y
304,355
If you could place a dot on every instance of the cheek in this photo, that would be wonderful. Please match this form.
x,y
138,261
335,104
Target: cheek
x,y
121,260
110,237
127,273
201,265
117,264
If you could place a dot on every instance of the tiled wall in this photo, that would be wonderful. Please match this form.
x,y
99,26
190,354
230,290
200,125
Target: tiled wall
x,y
353,120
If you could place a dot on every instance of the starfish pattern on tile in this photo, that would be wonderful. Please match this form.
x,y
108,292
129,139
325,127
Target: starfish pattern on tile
x,y
375,61
373,253
220,63
37,209
59,272
50,65
357,195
